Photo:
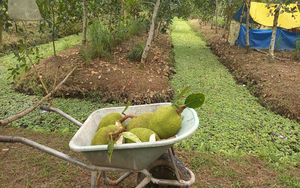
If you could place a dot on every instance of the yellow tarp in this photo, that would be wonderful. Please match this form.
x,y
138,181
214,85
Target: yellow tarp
x,y
261,14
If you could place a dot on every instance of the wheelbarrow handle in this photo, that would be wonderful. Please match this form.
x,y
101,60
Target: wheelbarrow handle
x,y
58,111
6,138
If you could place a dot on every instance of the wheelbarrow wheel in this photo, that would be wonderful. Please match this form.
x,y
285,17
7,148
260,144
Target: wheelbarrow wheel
x,y
163,168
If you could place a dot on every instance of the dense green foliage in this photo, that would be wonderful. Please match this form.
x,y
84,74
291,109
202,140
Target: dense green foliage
x,y
135,54
231,120
104,39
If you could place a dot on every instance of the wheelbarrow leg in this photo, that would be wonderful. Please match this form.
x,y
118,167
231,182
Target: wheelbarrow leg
x,y
170,151
94,179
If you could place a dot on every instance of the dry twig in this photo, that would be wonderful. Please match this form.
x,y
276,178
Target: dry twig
x,y
281,59
27,111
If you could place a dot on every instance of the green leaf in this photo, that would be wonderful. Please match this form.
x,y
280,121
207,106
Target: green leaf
x,y
187,89
128,104
110,147
131,136
26,69
194,100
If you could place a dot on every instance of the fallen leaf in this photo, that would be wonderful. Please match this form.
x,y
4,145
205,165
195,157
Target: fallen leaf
x,y
5,149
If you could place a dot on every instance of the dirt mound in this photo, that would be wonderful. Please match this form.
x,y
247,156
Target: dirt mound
x,y
276,82
116,80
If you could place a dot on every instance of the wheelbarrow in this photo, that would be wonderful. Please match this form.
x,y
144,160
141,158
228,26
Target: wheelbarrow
x,y
155,162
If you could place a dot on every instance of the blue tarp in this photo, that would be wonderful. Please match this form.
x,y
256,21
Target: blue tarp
x,y
237,15
260,39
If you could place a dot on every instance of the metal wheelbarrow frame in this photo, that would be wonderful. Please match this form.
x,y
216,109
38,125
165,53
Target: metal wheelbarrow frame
x,y
129,158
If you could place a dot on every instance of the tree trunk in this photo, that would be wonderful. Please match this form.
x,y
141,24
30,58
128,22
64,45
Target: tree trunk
x,y
157,30
122,9
235,38
247,27
228,16
212,23
216,16
53,29
84,27
226,24
150,37
1,26
275,21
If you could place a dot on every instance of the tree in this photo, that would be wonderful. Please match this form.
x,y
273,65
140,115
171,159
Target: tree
x,y
217,7
1,26
247,26
276,10
2,12
3,19
228,8
205,9
275,21
58,16
168,9
85,19
151,32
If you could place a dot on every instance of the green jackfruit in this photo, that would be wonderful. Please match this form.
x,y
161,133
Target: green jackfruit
x,y
140,121
165,122
143,134
101,136
109,119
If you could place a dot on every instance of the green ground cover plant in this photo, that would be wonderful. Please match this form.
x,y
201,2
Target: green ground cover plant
x,y
231,120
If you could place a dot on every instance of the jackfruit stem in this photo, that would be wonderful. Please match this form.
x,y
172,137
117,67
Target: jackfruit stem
x,y
126,117
181,108
115,134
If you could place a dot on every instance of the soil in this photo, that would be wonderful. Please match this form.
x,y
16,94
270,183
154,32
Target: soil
x,y
23,166
276,83
110,80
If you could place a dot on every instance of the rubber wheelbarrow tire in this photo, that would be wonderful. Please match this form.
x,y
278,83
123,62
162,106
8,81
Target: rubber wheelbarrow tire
x,y
162,168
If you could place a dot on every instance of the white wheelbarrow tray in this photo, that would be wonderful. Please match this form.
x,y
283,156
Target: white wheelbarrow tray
x,y
133,156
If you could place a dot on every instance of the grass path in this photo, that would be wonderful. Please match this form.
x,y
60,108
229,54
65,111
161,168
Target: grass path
x,y
231,120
